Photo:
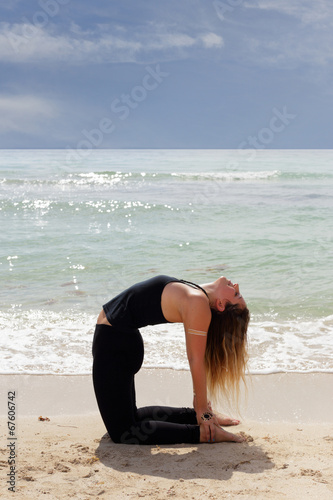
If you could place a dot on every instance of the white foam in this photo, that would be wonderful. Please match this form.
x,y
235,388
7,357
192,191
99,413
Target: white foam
x,y
44,342
230,176
95,178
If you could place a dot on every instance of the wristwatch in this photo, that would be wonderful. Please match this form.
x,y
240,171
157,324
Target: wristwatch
x,y
206,416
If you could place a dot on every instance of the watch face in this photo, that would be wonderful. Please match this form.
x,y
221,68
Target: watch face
x,y
206,416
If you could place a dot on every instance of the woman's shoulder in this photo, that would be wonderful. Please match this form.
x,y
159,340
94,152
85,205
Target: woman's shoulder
x,y
182,301
197,314
189,295
197,308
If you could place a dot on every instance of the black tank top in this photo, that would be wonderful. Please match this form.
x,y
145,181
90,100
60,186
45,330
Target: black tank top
x,y
140,305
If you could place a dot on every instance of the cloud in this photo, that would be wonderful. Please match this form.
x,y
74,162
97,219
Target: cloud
x,y
307,11
305,38
22,43
212,41
25,113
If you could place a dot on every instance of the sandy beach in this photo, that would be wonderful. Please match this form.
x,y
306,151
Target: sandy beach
x,y
288,421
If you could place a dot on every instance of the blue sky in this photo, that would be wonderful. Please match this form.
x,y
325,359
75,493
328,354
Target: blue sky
x,y
176,74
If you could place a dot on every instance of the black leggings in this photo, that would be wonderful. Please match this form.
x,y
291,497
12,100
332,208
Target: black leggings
x,y
118,355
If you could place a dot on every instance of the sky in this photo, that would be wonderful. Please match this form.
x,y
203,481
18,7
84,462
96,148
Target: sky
x,y
230,74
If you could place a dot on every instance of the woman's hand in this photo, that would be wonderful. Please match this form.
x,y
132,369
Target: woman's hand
x,y
208,431
208,424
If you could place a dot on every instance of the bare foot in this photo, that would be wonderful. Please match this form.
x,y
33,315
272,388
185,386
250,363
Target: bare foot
x,y
226,420
221,435
223,420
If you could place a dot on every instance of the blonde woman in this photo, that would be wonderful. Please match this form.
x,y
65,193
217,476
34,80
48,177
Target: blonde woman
x,y
215,319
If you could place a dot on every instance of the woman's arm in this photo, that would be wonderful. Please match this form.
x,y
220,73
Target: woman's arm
x,y
195,347
196,324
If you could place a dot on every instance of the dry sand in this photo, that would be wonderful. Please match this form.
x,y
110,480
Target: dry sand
x,y
288,454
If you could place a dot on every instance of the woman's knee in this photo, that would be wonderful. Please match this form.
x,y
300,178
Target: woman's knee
x,y
137,433
123,436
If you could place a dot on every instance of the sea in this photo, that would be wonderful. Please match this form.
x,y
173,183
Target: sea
x,y
76,229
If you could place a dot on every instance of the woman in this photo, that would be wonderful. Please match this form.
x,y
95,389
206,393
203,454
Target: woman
x,y
215,319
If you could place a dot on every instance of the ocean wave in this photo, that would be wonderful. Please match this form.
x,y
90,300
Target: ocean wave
x,y
228,176
95,178
114,178
49,342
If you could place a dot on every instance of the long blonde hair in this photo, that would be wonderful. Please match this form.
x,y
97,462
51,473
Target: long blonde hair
x,y
226,351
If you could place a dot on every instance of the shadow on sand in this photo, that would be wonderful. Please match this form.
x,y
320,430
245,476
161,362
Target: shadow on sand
x,y
205,461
